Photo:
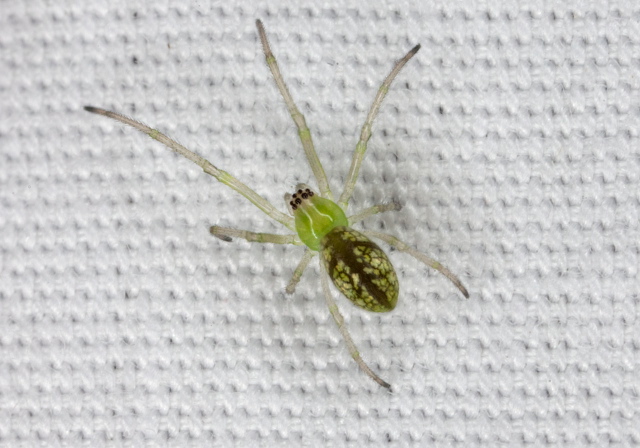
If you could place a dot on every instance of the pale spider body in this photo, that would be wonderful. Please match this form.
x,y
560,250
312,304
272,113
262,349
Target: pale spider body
x,y
358,267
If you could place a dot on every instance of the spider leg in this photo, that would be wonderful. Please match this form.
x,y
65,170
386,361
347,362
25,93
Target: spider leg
x,y
403,247
351,346
297,274
227,233
203,163
365,133
380,208
298,118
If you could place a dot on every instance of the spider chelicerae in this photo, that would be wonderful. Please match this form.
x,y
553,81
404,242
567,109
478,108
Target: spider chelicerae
x,y
356,265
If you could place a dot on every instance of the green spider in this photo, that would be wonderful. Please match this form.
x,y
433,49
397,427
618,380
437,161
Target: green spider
x,y
357,266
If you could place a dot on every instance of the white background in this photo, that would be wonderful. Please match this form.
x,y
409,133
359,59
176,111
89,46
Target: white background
x,y
511,139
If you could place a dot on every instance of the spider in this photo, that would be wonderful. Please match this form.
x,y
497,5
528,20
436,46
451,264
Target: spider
x,y
357,266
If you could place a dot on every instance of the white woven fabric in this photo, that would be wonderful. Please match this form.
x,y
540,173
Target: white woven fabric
x,y
512,139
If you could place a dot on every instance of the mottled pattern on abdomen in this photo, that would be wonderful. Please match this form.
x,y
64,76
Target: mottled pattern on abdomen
x,y
359,269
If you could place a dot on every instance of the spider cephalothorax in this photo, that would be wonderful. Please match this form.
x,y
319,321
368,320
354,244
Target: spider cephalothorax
x,y
356,265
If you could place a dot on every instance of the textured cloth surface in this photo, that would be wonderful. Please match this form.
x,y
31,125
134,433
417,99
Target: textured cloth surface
x,y
511,139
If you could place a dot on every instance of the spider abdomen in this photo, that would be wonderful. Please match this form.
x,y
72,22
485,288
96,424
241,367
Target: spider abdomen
x,y
360,269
